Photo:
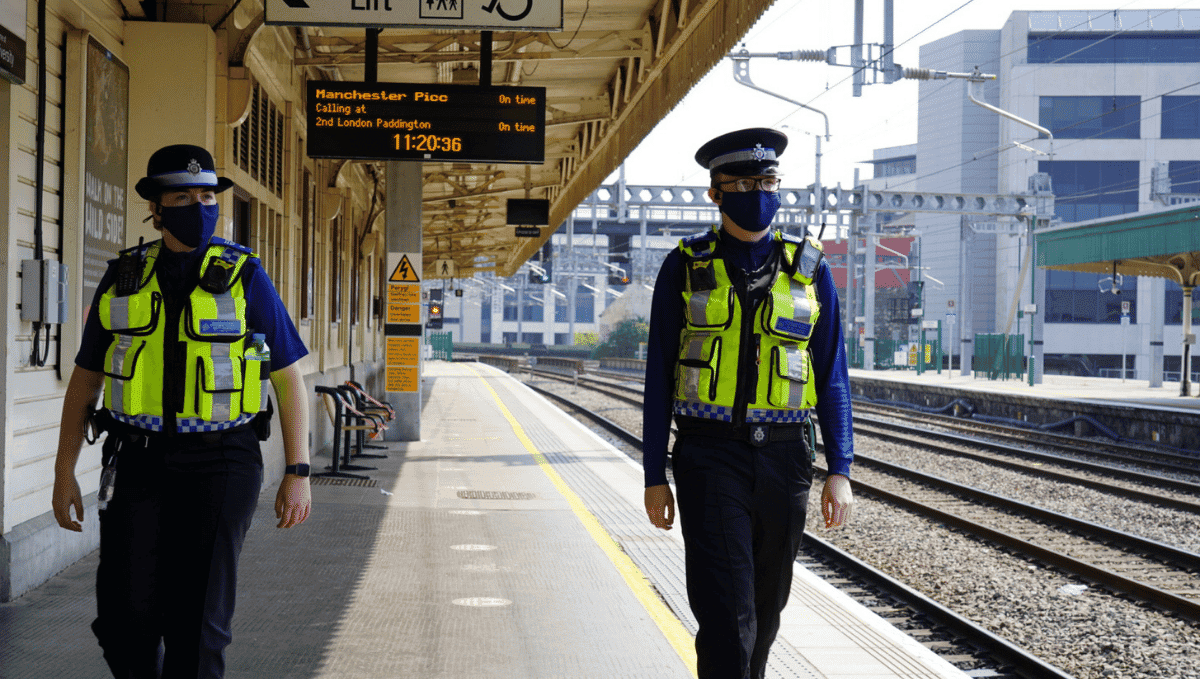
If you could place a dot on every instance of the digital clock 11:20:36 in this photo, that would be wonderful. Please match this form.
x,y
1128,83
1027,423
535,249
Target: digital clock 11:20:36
x,y
427,142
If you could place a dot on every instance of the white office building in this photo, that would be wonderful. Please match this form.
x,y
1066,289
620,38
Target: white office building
x,y
1120,93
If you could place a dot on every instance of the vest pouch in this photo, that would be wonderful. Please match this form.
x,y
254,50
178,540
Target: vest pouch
x,y
127,378
697,370
218,384
790,372
790,315
131,315
709,309
254,372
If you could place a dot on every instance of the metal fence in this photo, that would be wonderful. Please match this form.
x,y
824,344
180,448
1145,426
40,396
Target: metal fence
x,y
999,357
442,345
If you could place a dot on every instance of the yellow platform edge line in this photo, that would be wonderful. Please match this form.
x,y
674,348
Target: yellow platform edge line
x,y
667,622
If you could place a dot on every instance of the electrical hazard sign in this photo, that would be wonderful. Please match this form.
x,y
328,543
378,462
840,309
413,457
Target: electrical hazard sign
x,y
401,264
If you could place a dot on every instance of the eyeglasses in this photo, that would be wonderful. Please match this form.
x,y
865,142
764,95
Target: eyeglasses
x,y
768,184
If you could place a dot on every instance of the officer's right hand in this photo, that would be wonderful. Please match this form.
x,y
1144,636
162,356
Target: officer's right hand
x,y
67,495
660,506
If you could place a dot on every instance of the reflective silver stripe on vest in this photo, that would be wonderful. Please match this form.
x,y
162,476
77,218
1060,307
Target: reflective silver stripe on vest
x,y
222,381
117,367
698,307
691,376
801,304
118,312
798,375
262,395
226,307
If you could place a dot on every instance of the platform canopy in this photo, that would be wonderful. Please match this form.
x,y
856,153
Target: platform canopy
x,y
1163,243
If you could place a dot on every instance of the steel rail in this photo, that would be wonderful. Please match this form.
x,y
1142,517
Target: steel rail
x,y
1166,600
1164,460
999,648
992,646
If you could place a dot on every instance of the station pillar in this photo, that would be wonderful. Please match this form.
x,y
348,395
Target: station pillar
x,y
403,334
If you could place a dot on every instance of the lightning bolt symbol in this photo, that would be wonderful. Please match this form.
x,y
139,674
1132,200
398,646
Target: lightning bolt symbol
x,y
404,269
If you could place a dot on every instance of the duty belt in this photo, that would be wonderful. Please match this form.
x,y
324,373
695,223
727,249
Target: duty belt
x,y
757,434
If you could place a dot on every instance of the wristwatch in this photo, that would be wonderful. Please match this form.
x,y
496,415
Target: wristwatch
x,y
296,469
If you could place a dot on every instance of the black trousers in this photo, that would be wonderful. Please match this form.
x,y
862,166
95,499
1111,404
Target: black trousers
x,y
169,545
741,510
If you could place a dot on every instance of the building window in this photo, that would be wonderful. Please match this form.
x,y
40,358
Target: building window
x,y
258,142
335,273
1180,118
1185,176
1109,48
1078,297
510,306
509,337
1090,189
1091,117
307,217
532,309
585,305
894,167
531,338
562,338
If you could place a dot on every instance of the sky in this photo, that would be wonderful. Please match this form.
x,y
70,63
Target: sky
x,y
885,115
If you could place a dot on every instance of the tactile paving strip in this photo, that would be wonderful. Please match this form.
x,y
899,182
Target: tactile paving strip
x,y
658,557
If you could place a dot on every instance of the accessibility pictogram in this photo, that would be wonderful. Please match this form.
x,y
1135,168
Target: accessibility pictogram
x,y
404,272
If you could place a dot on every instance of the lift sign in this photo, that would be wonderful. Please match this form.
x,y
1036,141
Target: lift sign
x,y
406,121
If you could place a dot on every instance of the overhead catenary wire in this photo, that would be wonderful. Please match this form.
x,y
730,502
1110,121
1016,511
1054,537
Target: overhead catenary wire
x,y
1027,72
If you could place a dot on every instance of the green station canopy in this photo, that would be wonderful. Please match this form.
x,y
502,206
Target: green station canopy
x,y
1164,243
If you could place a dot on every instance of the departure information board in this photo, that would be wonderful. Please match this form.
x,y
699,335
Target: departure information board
x,y
406,121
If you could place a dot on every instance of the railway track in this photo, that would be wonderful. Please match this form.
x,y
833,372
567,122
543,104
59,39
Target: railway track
x,y
1067,447
953,636
1015,454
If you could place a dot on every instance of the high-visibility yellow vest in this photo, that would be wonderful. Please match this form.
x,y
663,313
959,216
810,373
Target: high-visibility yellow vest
x,y
718,332
222,376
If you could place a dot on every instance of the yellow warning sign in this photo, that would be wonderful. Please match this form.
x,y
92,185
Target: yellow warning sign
x,y
402,379
402,351
403,294
403,313
404,272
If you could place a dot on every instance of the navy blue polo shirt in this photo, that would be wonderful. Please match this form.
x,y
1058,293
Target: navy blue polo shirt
x,y
826,347
265,311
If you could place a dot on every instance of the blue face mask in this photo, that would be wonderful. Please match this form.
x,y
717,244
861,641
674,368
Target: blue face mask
x,y
751,210
193,225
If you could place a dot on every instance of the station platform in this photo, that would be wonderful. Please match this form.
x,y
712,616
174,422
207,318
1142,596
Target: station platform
x,y
1101,390
1130,411
510,542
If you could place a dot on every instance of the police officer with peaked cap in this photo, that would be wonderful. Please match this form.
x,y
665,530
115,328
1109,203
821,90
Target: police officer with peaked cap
x,y
745,341
174,340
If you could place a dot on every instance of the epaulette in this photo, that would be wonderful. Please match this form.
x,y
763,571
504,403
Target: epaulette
x,y
217,240
699,245
805,259
140,248
791,238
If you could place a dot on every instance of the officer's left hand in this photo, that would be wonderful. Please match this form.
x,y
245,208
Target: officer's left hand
x,y
293,501
836,501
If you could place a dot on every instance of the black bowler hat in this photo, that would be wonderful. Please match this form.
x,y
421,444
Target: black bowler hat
x,y
180,166
745,152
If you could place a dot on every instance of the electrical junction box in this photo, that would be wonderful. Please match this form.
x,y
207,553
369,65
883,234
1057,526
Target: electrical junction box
x,y
43,290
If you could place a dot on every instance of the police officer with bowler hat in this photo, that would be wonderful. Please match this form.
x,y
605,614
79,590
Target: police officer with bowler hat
x,y
745,341
182,337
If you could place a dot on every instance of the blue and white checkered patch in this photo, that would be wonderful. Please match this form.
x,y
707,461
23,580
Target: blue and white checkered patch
x,y
776,416
184,425
706,411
